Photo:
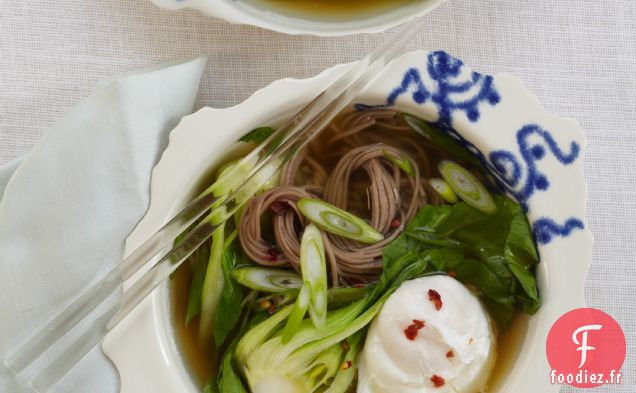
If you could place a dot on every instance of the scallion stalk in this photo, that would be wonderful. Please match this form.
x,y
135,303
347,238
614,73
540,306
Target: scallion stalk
x,y
267,279
401,162
443,189
313,266
338,221
212,284
467,187
313,294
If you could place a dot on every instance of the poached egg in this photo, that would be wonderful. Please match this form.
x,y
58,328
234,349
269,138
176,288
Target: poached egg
x,y
431,336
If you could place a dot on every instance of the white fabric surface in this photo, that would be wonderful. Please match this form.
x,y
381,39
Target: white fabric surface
x,y
70,204
577,56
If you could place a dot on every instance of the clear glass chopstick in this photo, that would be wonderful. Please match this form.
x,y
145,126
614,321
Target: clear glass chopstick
x,y
26,364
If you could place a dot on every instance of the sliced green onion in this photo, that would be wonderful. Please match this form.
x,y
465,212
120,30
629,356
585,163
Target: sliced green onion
x,y
443,189
402,162
467,187
266,279
202,257
313,294
336,297
297,314
313,266
213,285
338,221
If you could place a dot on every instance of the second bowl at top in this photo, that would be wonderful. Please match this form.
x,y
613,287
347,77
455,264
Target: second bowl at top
x,y
316,17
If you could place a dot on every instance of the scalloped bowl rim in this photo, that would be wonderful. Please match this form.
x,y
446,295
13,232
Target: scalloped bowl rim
x,y
143,347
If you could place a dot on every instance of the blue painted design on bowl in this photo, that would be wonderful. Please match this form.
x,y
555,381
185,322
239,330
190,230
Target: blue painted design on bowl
x,y
508,167
545,229
454,90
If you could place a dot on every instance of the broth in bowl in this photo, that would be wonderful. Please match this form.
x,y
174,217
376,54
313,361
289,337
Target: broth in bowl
x,y
330,9
381,254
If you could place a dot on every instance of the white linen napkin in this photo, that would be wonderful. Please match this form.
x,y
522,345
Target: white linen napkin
x,y
67,207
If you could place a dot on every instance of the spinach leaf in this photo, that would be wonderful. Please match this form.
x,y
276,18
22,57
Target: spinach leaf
x,y
444,259
260,134
521,255
229,381
230,304
257,135
495,254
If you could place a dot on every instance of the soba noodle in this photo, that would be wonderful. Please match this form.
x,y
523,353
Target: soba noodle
x,y
349,167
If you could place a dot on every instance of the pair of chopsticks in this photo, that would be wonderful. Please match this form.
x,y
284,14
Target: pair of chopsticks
x,y
40,362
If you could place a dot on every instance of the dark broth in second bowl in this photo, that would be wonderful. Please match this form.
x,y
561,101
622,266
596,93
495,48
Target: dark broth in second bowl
x,y
329,9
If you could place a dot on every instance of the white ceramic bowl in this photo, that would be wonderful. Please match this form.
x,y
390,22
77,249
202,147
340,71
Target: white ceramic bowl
x,y
538,154
243,13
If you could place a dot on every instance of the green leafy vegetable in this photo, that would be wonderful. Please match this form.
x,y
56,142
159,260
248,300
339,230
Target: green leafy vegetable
x,y
312,358
229,307
439,138
430,237
338,221
494,253
210,387
257,135
342,296
229,380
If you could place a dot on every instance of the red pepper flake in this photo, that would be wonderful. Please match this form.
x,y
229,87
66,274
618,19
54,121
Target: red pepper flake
x,y
435,298
272,254
345,345
452,274
437,381
450,354
265,304
347,365
411,331
279,207
271,309
395,223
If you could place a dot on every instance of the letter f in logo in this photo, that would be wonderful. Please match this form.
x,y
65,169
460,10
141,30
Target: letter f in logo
x,y
583,343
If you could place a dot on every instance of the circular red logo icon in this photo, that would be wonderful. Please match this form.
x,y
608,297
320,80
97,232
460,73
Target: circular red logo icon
x,y
586,348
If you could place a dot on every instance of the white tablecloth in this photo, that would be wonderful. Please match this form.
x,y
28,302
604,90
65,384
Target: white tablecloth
x,y
577,56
